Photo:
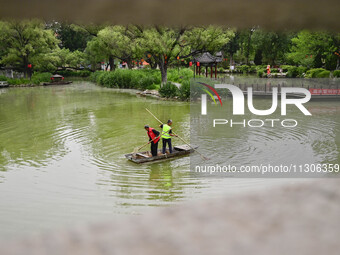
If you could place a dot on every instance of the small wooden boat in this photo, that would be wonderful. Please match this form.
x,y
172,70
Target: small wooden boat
x,y
57,83
145,156
57,80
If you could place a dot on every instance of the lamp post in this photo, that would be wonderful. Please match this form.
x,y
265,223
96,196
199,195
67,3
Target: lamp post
x,y
190,65
29,66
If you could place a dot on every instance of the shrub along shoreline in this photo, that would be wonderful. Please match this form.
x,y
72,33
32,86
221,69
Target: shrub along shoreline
x,y
38,78
147,79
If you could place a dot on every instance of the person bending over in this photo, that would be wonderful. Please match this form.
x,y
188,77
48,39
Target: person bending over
x,y
153,139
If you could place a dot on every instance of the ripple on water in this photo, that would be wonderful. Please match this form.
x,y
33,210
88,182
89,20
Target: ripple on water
x,y
313,140
63,149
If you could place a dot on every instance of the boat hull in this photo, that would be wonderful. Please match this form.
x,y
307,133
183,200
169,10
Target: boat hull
x,y
57,83
178,151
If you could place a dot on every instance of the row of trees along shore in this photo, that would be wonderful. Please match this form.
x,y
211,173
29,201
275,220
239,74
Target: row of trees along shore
x,y
59,46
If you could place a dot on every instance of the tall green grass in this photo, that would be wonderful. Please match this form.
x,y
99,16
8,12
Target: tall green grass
x,y
36,79
146,79
125,78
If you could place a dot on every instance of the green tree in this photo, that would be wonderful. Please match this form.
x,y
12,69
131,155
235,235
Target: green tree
x,y
314,49
24,42
60,59
114,42
245,45
258,57
4,31
337,51
271,46
72,36
165,45
232,46
162,45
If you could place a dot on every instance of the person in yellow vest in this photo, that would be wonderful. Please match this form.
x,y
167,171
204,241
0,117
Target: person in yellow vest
x,y
166,136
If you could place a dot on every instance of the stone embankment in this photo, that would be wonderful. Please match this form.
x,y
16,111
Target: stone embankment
x,y
153,93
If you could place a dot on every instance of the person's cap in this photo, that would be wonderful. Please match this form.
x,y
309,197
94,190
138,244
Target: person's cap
x,y
146,126
169,121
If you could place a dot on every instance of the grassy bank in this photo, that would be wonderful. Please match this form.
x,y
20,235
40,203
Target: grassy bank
x,y
36,79
147,79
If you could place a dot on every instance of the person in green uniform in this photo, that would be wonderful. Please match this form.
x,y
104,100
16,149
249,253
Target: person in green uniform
x,y
166,136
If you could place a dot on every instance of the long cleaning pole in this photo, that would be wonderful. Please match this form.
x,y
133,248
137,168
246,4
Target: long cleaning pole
x,y
202,156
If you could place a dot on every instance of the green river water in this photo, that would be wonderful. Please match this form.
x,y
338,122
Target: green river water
x,y
62,157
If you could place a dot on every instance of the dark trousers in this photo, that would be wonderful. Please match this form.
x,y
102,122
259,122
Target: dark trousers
x,y
154,148
166,141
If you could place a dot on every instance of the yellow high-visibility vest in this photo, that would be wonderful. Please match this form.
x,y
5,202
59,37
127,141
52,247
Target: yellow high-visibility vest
x,y
166,130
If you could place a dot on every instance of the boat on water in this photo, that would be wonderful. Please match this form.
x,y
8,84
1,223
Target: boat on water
x,y
145,156
57,83
57,80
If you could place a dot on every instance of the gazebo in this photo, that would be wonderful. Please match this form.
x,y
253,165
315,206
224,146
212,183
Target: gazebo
x,y
57,78
208,60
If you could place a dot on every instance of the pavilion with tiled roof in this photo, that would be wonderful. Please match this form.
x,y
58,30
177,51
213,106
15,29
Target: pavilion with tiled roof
x,y
208,60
